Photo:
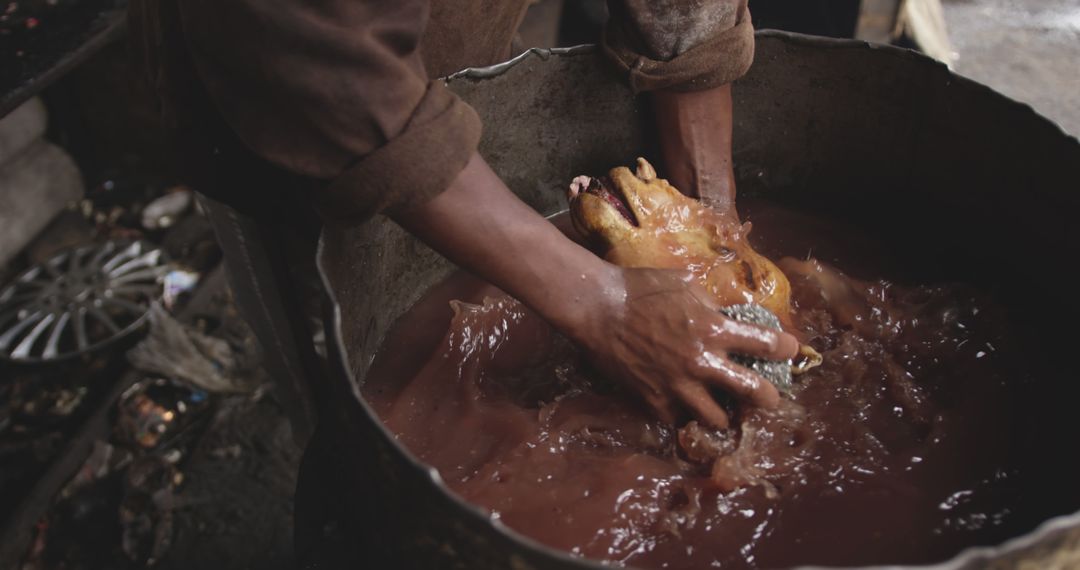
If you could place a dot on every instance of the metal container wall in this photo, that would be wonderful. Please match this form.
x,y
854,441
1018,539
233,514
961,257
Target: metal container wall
x,y
883,137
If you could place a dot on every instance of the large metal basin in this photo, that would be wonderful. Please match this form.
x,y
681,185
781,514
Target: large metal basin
x,y
977,186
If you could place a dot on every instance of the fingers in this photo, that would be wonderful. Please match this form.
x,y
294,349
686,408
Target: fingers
x,y
730,335
701,404
663,408
740,381
745,338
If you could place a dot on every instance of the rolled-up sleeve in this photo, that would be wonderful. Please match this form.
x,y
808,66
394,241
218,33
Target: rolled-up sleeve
x,y
684,45
334,90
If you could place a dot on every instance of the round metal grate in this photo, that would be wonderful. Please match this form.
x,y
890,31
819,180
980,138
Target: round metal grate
x,y
79,300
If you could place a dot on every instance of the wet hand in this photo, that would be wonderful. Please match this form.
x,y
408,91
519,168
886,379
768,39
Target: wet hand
x,y
661,335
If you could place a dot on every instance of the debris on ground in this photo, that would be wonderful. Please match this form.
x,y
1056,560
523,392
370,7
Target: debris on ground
x,y
155,413
174,350
177,285
163,212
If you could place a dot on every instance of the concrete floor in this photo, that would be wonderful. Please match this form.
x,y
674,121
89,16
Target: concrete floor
x,y
1026,49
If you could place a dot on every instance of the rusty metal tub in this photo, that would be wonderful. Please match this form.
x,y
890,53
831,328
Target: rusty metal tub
x,y
881,136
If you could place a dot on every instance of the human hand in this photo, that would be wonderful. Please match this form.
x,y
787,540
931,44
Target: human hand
x,y
661,335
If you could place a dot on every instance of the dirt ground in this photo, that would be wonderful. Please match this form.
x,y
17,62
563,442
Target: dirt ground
x,y
236,510
1026,49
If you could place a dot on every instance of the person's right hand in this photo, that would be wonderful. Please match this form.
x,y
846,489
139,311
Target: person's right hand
x,y
663,337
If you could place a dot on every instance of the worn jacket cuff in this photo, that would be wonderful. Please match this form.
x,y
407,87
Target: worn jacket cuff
x,y
415,166
719,60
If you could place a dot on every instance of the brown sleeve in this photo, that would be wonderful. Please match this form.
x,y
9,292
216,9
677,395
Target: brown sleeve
x,y
334,90
685,45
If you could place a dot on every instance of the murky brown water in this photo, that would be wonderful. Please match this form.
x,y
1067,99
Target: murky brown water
x,y
903,447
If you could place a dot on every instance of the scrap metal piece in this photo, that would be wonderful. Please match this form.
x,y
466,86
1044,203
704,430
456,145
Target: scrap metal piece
x,y
79,300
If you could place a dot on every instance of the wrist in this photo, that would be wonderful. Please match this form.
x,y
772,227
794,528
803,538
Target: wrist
x,y
694,131
480,225
587,302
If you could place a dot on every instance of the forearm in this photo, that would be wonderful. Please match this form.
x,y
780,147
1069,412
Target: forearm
x,y
481,226
695,142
